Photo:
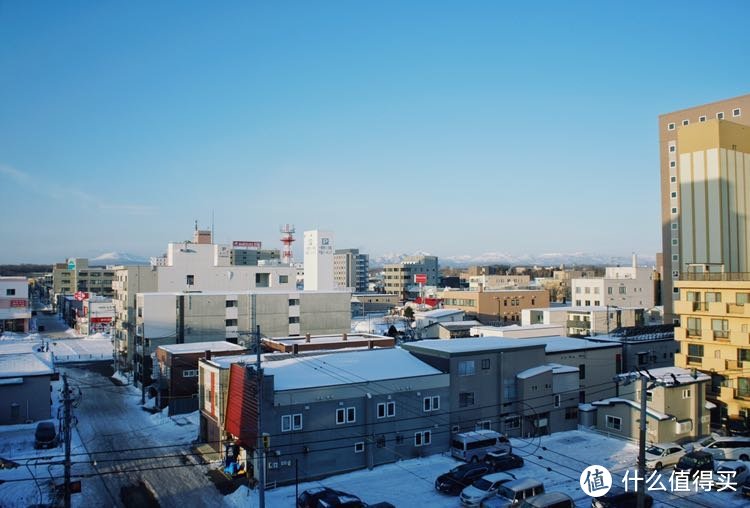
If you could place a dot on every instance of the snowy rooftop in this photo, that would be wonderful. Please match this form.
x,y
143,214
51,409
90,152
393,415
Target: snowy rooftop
x,y
616,400
684,376
554,367
551,344
26,364
458,324
327,339
437,313
199,347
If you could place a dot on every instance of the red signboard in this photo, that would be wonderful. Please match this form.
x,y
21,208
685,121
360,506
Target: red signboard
x,y
100,319
420,278
18,303
237,243
81,296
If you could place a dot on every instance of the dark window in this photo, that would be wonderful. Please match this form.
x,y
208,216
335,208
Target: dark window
x,y
231,322
465,399
190,280
582,371
10,292
485,363
231,303
380,441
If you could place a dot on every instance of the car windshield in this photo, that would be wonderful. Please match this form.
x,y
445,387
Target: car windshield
x,y
655,450
483,484
707,441
689,461
505,492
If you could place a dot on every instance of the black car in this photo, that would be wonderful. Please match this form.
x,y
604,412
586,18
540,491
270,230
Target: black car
x,y
45,435
744,489
737,426
694,462
460,477
324,497
617,497
504,462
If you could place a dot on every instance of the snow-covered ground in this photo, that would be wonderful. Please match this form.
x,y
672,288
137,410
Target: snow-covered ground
x,y
558,460
76,348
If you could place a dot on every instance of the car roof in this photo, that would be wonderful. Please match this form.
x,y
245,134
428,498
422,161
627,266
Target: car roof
x,y
731,464
667,445
698,453
497,476
733,438
548,497
45,424
523,483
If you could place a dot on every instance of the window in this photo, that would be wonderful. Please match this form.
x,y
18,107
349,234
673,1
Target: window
x,y
422,438
671,126
293,302
685,122
293,319
466,368
720,115
386,409
465,399
736,112
674,225
485,363
286,423
597,303
672,148
713,297
702,118
613,422
557,400
10,292
686,393
695,353
673,195
513,422
578,303
674,210
346,415
190,280
578,289
571,413
720,328
742,298
588,303
230,322
431,403
283,279
743,355
359,447
694,327
609,290
380,441
483,425
582,371
190,373
674,241
642,358
231,303
673,164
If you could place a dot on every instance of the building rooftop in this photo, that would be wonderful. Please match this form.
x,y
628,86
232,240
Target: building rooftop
x,y
246,292
437,313
26,364
199,347
682,376
616,400
471,345
556,368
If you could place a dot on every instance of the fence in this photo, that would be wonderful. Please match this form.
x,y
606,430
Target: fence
x,y
101,357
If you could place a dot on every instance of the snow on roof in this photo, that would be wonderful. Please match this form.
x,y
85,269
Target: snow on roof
x,y
533,371
551,344
561,344
562,369
437,313
346,368
616,400
26,364
459,324
684,376
327,339
199,347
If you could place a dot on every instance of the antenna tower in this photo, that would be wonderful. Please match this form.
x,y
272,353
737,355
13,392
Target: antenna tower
x,y
287,238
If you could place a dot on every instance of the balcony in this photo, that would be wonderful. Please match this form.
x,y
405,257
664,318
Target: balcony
x,y
572,323
715,276
693,333
721,335
695,361
735,365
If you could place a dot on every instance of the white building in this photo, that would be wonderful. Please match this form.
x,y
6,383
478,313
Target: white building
x,y
14,304
498,281
98,315
319,261
585,320
621,286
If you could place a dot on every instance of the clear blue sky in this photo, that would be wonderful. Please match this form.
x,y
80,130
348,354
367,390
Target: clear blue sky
x,y
449,127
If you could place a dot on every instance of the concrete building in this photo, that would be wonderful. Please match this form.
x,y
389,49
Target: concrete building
x,y
326,342
676,408
76,275
164,318
644,347
585,321
498,307
486,282
714,338
377,407
128,281
704,155
319,261
621,286
96,316
244,253
15,310
398,278
25,387
351,269
380,303
504,385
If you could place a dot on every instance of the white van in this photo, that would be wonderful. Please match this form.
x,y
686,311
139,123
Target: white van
x,y
730,448
473,446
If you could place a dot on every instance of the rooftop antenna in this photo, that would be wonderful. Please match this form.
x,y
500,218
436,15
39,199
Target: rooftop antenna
x,y
213,239
287,231
196,224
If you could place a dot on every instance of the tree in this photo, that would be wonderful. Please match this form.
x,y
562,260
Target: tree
x,y
408,313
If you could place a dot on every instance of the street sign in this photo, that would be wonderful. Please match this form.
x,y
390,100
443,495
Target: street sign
x,y
420,278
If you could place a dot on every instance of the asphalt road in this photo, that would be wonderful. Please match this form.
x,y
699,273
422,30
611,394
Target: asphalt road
x,y
145,473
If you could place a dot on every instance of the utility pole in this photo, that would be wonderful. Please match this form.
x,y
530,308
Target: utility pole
x,y
66,434
260,452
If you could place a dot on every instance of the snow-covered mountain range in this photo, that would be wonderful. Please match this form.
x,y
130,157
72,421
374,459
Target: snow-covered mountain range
x,y
500,258
118,258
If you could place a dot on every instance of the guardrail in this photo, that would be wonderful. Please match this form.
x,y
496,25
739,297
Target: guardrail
x,y
82,358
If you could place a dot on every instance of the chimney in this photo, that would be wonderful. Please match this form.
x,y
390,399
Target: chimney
x,y
295,349
307,337
208,354
344,337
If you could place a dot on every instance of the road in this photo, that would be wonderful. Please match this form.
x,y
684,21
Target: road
x,y
121,436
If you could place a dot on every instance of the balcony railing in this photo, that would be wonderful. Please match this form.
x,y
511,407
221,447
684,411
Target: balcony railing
x,y
695,360
715,276
721,334
694,332
699,306
578,324
733,308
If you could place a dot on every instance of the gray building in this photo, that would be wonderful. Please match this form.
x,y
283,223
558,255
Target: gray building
x,y
351,269
644,347
25,387
399,277
331,413
505,385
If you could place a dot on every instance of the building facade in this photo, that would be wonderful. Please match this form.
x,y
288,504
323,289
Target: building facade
x,y
498,281
15,309
621,286
129,281
704,155
76,275
398,278
351,269
498,307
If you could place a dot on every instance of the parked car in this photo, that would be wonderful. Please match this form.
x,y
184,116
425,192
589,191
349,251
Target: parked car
x,y
503,462
484,487
549,500
730,448
732,471
8,464
694,462
382,504
663,454
512,494
737,426
458,478
618,497
473,446
45,435
702,443
323,497
744,489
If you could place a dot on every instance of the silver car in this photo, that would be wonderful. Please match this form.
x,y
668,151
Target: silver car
x,y
663,454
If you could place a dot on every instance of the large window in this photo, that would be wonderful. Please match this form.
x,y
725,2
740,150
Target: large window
x,y
422,438
346,415
431,403
465,399
614,422
386,409
291,422
695,354
743,355
694,326
742,298
720,328
512,422
466,368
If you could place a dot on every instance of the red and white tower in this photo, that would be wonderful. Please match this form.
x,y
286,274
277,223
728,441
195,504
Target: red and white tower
x,y
287,231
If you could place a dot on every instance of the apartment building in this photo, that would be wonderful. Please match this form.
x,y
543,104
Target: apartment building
x,y
76,275
250,253
494,307
399,277
498,281
376,406
351,269
704,157
621,286
164,318
714,338
15,311
128,281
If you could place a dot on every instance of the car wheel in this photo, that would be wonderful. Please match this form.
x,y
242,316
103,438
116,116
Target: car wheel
x,y
658,466
743,457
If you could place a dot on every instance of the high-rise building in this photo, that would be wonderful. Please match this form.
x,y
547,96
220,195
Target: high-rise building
x,y
399,277
76,275
705,157
350,269
318,260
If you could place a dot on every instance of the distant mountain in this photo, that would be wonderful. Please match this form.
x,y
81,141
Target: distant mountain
x,y
118,258
548,259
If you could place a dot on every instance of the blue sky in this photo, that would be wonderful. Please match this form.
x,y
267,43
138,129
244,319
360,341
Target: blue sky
x,y
448,127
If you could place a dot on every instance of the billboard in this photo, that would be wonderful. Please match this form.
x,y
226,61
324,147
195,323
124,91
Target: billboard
x,y
246,245
420,278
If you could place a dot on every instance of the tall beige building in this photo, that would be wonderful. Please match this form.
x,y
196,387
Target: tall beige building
x,y
705,160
